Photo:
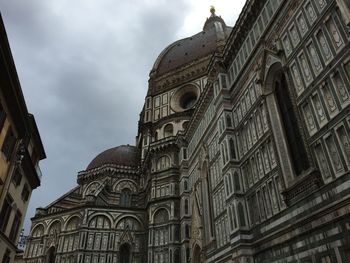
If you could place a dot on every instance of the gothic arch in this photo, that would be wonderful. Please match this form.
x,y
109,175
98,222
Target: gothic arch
x,y
122,217
125,183
106,221
161,215
136,227
168,130
91,188
272,70
163,162
55,221
70,221
38,230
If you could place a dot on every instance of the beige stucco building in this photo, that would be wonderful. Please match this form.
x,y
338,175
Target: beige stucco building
x,y
20,151
242,152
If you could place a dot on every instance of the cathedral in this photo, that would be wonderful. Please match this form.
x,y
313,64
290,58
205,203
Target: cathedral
x,y
242,153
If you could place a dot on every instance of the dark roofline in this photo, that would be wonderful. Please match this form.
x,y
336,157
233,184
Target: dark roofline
x,y
23,122
39,147
246,19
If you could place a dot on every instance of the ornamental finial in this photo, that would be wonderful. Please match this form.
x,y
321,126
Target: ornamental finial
x,y
212,10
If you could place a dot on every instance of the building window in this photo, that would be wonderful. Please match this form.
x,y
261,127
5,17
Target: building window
x,y
168,130
7,256
17,177
125,198
187,231
289,122
148,103
163,163
232,148
186,206
185,185
228,121
25,193
184,153
9,144
5,213
15,226
2,117
236,182
241,215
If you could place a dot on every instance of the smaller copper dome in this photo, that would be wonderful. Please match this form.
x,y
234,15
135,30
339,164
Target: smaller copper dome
x,y
124,155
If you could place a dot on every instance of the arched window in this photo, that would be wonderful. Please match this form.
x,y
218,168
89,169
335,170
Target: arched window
x,y
236,182
38,231
125,197
223,154
156,136
168,130
232,148
226,152
228,121
231,183
72,224
100,221
163,163
233,213
186,206
230,217
55,228
290,125
227,186
241,215
128,223
185,185
71,238
187,231
161,216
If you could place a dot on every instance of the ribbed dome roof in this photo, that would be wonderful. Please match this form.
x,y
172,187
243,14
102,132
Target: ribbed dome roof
x,y
125,155
192,48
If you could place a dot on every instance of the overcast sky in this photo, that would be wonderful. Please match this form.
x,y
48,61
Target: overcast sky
x,y
83,67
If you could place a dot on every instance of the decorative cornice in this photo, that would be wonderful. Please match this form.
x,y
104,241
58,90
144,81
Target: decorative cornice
x,y
106,168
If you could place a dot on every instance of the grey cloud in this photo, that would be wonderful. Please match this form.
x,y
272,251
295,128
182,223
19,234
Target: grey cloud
x,y
83,67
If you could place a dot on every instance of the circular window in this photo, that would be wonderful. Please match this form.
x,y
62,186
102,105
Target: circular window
x,y
188,100
184,98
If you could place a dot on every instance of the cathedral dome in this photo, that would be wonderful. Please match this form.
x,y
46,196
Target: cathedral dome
x,y
125,155
189,49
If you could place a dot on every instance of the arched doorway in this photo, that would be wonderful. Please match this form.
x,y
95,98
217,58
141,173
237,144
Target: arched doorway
x,y
197,254
125,253
51,255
